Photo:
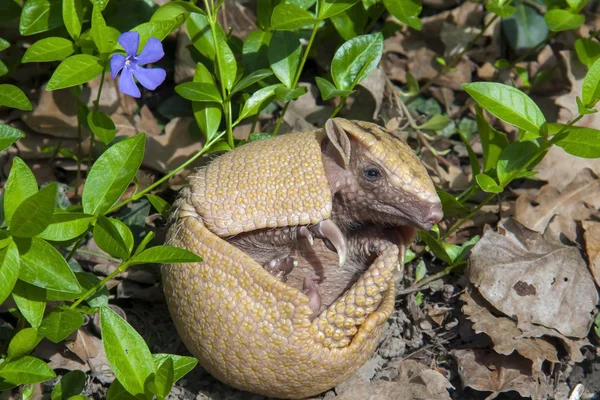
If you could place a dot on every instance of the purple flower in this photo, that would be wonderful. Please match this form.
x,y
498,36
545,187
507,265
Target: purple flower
x,y
130,64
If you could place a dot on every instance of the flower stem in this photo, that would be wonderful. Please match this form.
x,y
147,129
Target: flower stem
x,y
96,105
298,72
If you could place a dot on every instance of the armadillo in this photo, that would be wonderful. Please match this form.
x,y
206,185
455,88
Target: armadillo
x,y
259,202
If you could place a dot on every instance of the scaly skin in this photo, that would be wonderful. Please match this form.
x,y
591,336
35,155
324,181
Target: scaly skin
x,y
254,332
250,329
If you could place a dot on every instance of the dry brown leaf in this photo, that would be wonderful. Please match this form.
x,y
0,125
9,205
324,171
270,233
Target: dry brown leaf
x,y
575,73
533,280
490,372
592,247
504,332
90,350
166,152
415,381
145,122
559,168
572,346
561,210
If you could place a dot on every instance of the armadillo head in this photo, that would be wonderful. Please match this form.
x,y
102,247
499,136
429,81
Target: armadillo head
x,y
377,177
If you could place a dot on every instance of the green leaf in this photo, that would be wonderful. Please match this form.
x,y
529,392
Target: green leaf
x,y
165,255
105,37
436,247
8,136
49,49
286,94
257,101
591,85
12,96
524,29
35,213
581,142
450,205
88,281
207,113
157,29
31,301
488,184
102,126
3,68
20,185
23,342
509,104
199,32
356,59
66,226
284,56
43,266
175,9
160,205
60,323
109,238
563,20
407,11
75,70
255,50
227,70
330,8
26,370
436,123
72,13
9,270
100,3
126,351
40,16
164,378
328,90
492,141
111,174
501,11
181,364
116,391
351,22
513,157
4,44
251,79
290,17
71,384
588,51
197,91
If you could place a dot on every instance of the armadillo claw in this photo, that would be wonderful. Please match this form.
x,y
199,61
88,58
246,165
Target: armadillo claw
x,y
255,333
327,229
310,289
281,267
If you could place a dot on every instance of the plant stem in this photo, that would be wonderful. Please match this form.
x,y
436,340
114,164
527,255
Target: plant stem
x,y
169,175
96,105
339,106
298,72
97,286
468,216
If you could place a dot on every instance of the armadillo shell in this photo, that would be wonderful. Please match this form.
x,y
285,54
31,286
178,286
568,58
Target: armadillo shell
x,y
253,332
262,185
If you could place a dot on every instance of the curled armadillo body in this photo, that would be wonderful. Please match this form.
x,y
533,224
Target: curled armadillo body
x,y
247,328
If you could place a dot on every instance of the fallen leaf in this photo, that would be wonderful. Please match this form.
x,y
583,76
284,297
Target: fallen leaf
x,y
504,332
533,280
592,247
490,372
575,72
561,210
559,168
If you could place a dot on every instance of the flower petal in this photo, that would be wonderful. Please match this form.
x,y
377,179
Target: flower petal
x,y
117,62
127,85
152,52
149,78
130,42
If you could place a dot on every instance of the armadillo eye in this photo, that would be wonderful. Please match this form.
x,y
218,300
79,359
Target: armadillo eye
x,y
372,174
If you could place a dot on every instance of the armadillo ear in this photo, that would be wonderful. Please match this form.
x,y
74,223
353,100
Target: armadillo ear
x,y
340,140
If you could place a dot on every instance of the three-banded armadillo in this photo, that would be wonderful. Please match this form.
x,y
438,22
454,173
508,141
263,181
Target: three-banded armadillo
x,y
251,205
